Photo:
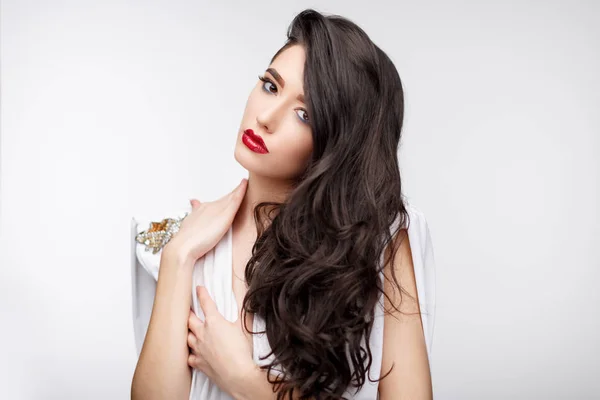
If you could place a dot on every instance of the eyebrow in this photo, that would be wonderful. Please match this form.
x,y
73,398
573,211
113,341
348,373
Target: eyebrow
x,y
281,81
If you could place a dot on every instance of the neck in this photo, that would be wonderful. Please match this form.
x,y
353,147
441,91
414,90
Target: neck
x,y
260,189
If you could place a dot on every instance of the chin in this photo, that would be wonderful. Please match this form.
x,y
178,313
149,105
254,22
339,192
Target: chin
x,y
259,165
248,160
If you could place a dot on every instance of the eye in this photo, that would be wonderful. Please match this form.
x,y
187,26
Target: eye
x,y
267,80
305,119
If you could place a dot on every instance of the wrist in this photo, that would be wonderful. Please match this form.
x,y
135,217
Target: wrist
x,y
252,385
179,252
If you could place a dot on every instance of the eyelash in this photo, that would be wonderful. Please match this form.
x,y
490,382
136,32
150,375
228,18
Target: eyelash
x,y
265,79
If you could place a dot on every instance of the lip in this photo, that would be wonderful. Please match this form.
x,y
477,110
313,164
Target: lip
x,y
254,142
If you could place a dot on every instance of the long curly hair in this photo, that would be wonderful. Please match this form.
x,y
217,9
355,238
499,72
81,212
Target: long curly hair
x,y
314,274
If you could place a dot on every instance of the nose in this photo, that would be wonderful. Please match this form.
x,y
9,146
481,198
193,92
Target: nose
x,y
270,116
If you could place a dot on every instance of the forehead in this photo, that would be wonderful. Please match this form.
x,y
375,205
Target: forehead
x,y
290,65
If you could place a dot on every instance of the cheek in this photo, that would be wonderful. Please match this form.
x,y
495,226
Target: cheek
x,y
293,151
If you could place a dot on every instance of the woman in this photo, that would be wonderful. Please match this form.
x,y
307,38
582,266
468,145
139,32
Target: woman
x,y
328,268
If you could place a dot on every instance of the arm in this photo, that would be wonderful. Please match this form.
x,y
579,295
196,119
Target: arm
x,y
162,371
403,339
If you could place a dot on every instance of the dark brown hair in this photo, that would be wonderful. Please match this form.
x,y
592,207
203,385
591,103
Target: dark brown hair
x,y
314,274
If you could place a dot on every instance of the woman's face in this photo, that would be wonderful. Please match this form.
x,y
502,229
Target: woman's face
x,y
275,111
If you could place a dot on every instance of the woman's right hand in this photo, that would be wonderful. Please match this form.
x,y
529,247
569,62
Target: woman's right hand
x,y
206,224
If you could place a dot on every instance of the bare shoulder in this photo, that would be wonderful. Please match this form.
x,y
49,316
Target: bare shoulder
x,y
404,345
402,266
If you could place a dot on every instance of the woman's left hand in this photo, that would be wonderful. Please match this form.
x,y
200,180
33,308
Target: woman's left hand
x,y
218,347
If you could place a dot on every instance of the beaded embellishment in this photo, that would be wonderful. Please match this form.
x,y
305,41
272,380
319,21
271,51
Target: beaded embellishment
x,y
159,233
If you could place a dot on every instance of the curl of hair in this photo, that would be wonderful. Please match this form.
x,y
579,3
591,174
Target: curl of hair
x,y
314,273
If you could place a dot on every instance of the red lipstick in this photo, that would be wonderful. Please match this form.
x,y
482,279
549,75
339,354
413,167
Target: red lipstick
x,y
254,142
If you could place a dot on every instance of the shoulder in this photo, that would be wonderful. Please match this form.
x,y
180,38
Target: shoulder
x,y
419,231
150,233
415,268
399,270
405,342
412,245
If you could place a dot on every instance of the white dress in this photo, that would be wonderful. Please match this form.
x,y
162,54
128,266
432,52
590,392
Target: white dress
x,y
214,271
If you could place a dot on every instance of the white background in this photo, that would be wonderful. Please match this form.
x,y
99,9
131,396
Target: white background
x,y
113,109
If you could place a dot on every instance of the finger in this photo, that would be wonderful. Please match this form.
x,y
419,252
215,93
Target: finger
x,y
194,361
195,203
238,188
238,194
206,302
192,342
224,200
195,324
242,183
242,186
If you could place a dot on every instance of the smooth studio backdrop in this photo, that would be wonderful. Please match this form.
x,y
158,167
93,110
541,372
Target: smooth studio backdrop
x,y
113,109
